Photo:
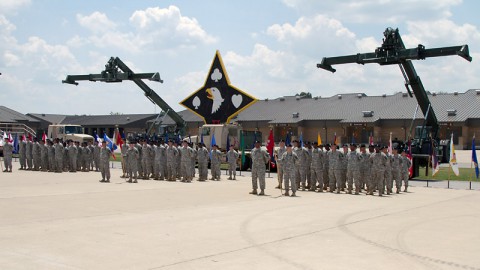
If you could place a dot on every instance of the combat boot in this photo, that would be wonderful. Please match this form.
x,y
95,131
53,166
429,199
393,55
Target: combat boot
x,y
398,191
261,193
405,190
234,177
254,192
286,193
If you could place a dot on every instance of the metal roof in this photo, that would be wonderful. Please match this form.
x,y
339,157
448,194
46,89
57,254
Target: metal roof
x,y
8,115
106,120
50,118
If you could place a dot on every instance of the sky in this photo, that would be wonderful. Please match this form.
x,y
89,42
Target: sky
x,y
270,48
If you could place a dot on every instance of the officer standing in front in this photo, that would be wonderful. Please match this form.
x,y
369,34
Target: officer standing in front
x,y
232,157
289,162
260,157
105,154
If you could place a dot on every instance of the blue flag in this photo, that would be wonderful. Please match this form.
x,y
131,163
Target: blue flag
x,y
213,141
301,139
288,139
110,143
474,157
254,139
15,144
201,138
95,136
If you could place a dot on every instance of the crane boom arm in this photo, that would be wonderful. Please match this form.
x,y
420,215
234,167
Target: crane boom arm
x,y
393,51
112,74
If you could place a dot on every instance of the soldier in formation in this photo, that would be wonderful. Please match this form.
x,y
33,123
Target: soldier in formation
x,y
105,154
278,158
260,157
202,157
232,157
289,161
215,161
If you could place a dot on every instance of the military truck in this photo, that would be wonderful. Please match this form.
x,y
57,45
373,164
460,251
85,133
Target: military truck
x,y
68,132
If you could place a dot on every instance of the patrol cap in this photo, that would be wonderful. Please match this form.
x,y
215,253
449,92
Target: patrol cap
x,y
345,145
289,145
307,143
353,144
362,145
328,145
282,140
257,142
314,143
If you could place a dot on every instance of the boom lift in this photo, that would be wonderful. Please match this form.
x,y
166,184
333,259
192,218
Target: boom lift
x,y
393,52
113,73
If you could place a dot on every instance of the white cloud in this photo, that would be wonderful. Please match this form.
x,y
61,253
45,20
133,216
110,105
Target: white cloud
x,y
161,23
96,22
11,59
12,5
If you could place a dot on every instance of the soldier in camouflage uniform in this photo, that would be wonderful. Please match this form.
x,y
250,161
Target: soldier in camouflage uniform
x,y
86,156
138,145
396,169
289,162
202,156
371,184
79,155
186,162
131,162
278,158
72,156
58,156
172,154
308,167
22,152
156,160
193,159
66,162
379,161
146,149
7,156
96,156
105,154
215,161
326,167
91,157
300,172
388,171
37,155
335,168
51,156
354,165
232,157
406,163
43,156
163,161
29,154
318,160
344,166
178,161
260,157
152,160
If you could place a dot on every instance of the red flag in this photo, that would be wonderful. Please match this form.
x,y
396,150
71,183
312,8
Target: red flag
x,y
30,137
119,140
44,137
410,157
10,139
370,139
270,143
335,139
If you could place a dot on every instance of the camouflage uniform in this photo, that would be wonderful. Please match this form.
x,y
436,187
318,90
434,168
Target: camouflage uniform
x,y
139,160
146,149
289,163
364,173
79,157
326,171
172,154
105,154
85,159
354,164
96,156
156,161
301,168
202,156
37,156
344,165
260,157
44,157
396,171
388,173
131,163
29,155
152,161
72,157
178,161
91,157
308,167
193,160
51,157
232,157
186,163
406,163
59,157
379,161
279,156
7,156
318,159
335,170
163,162
215,161
22,152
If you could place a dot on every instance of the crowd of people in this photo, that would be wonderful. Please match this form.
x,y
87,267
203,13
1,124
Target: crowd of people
x,y
310,167
329,168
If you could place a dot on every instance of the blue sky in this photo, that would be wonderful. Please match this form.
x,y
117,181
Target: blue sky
x,y
270,48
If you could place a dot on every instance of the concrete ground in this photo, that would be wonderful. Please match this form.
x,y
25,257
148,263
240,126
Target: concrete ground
x,y
71,221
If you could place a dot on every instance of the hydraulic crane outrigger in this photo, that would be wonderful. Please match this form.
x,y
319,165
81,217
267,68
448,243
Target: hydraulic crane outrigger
x,y
392,52
112,74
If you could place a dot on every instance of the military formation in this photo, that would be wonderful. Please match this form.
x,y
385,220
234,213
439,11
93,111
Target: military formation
x,y
322,168
310,167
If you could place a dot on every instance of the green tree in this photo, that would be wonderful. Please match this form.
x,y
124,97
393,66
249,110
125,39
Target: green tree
x,y
304,95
